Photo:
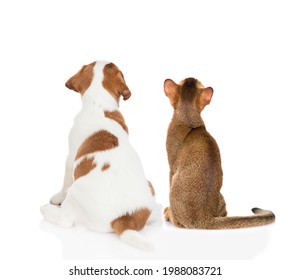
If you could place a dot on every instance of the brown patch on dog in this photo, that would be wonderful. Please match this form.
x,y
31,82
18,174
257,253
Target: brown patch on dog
x,y
134,221
114,82
117,116
84,167
105,166
97,142
152,188
82,80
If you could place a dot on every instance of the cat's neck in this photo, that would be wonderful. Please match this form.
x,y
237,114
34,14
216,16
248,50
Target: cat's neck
x,y
186,122
178,130
187,117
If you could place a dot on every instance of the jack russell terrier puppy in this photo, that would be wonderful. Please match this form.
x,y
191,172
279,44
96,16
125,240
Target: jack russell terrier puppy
x,y
104,187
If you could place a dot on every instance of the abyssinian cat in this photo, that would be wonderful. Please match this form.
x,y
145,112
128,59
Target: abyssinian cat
x,y
195,165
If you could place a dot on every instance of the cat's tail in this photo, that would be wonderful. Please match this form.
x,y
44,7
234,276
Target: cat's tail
x,y
261,217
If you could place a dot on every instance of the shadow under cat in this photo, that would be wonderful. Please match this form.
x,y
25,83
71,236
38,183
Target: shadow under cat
x,y
170,243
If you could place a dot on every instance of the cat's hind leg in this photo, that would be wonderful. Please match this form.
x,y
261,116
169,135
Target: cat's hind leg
x,y
221,207
168,215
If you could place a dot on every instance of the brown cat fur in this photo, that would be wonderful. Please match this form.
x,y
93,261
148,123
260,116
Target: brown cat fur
x,y
195,165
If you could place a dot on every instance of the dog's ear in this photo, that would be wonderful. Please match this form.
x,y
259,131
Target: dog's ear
x,y
123,88
172,92
114,82
82,80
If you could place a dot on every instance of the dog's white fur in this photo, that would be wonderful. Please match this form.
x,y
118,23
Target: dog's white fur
x,y
99,197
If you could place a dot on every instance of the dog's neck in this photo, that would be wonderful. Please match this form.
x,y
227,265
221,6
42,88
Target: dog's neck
x,y
97,98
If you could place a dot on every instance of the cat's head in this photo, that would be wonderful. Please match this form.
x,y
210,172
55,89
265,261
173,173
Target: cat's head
x,y
188,92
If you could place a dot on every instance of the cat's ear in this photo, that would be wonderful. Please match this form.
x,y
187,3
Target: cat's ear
x,y
171,91
205,97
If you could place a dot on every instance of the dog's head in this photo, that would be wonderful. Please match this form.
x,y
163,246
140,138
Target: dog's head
x,y
108,76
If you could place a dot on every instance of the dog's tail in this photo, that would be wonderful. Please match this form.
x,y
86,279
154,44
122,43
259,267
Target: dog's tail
x,y
127,227
133,238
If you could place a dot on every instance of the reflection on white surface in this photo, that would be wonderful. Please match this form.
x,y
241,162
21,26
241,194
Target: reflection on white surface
x,y
169,242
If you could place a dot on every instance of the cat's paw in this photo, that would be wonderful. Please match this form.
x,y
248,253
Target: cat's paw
x,y
167,213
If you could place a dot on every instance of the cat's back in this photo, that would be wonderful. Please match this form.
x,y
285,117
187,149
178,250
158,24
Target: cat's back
x,y
199,147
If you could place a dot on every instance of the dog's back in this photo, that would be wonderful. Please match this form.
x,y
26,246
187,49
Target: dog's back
x,y
110,191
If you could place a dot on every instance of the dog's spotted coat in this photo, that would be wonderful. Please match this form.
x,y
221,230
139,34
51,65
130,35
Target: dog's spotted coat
x,y
105,187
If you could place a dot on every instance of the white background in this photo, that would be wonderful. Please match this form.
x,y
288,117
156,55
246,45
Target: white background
x,y
240,48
